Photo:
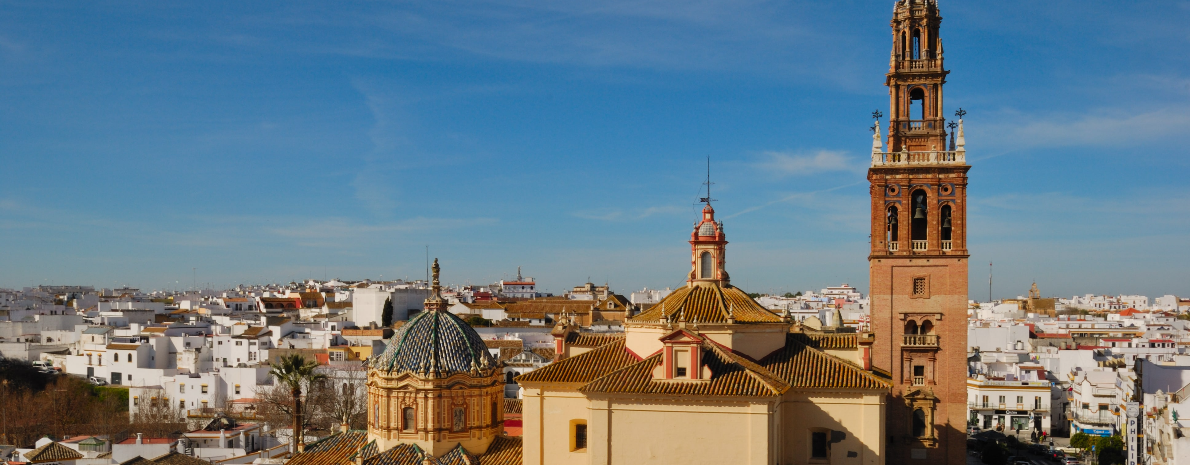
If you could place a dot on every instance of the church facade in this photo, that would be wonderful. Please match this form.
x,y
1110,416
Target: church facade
x,y
708,376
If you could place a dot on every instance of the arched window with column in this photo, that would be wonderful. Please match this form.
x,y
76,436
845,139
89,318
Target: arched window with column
x,y
920,219
945,226
917,44
919,423
891,227
917,106
706,265
911,327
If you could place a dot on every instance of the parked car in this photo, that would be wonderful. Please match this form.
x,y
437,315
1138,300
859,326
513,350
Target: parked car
x,y
1057,455
1068,460
98,381
41,364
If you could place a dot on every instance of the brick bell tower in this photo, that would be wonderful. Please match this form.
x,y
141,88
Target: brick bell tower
x,y
918,260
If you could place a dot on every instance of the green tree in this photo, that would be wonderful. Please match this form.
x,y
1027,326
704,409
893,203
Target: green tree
x,y
754,295
1080,440
386,315
1110,450
789,295
294,372
477,320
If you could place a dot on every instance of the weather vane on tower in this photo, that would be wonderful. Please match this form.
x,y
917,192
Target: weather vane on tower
x,y
707,200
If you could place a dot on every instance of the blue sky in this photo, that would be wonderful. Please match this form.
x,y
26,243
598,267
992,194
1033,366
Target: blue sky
x,y
271,141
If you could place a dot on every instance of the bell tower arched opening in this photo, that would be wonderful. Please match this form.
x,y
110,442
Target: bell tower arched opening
x,y
920,216
917,104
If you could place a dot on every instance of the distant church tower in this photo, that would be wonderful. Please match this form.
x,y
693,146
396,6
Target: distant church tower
x,y
918,261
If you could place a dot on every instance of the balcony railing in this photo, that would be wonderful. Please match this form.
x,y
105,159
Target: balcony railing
x,y
920,340
946,245
1095,419
920,245
919,65
893,246
919,380
932,157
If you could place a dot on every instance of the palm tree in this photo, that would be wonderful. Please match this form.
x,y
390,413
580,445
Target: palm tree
x,y
293,371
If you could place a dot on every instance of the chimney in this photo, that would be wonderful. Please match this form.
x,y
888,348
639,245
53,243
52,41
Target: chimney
x,y
343,427
865,341
139,438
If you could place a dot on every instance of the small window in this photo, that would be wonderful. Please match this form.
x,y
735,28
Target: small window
x,y
580,436
181,388
410,419
460,419
1020,399
707,265
681,363
819,447
919,286
237,389
204,389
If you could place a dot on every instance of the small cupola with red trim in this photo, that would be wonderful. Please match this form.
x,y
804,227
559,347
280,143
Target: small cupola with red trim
x,y
708,246
681,357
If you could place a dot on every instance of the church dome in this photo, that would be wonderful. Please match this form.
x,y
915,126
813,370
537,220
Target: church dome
x,y
435,342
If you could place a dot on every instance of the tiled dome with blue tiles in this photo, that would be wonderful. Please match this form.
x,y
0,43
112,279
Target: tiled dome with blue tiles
x,y
435,342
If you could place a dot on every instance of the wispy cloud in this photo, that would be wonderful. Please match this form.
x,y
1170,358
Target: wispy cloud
x,y
1114,128
616,214
798,163
793,197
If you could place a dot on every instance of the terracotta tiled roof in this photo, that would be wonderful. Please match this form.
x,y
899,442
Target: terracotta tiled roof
x,y
503,451
592,340
138,460
401,454
583,368
547,352
538,308
255,331
122,346
513,405
804,367
174,458
708,304
515,343
332,450
457,456
52,452
731,375
829,341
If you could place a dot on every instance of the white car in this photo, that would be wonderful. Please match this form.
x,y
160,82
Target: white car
x,y
97,381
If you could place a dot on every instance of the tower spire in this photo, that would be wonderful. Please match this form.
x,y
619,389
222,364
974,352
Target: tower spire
x,y
435,302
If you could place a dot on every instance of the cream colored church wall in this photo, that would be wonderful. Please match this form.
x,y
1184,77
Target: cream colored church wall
x,y
644,340
715,432
860,416
547,421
